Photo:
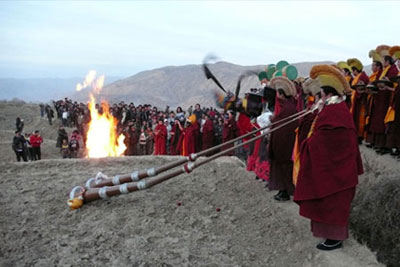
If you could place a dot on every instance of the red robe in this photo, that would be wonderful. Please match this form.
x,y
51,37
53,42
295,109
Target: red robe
x,y
208,135
160,138
244,126
189,140
359,104
228,133
330,163
281,148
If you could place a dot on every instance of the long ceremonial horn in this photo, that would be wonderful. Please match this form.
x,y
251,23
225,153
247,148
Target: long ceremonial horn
x,y
79,195
102,180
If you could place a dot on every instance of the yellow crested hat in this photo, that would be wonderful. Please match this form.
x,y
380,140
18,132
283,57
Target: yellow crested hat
x,y
311,86
343,65
285,84
354,62
383,50
330,76
394,52
192,118
375,56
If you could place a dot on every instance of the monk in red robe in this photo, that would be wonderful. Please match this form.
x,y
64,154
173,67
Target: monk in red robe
x,y
229,131
160,138
189,136
282,140
330,163
208,133
393,134
359,96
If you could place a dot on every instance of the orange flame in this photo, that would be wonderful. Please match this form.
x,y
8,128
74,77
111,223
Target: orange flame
x,y
102,140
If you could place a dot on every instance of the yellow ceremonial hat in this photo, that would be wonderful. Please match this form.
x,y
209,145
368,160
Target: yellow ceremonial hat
x,y
311,86
354,62
285,84
192,118
330,76
375,56
383,50
343,65
394,52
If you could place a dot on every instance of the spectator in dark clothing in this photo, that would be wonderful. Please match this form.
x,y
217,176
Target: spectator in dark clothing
x,y
19,123
41,110
18,146
74,146
50,114
62,135
28,149
36,140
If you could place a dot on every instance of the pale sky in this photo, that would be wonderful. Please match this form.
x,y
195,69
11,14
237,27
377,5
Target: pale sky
x,y
65,39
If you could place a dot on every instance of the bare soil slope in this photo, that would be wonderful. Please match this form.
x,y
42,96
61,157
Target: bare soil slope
x,y
148,228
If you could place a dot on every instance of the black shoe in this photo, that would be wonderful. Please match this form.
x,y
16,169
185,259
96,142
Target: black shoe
x,y
257,178
282,196
330,244
384,151
396,152
369,145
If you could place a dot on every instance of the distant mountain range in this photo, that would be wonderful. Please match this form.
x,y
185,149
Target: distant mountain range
x,y
181,85
172,85
40,89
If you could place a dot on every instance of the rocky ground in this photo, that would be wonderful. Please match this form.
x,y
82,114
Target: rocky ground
x,y
226,218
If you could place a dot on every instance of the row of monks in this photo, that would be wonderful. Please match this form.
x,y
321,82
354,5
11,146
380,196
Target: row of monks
x,y
315,156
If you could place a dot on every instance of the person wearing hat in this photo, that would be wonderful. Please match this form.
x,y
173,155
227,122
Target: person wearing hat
x,y
359,96
188,136
375,99
330,162
282,140
379,126
262,76
312,89
393,133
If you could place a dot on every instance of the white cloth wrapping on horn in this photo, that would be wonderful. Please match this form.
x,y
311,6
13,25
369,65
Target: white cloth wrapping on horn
x,y
115,180
264,120
124,188
103,192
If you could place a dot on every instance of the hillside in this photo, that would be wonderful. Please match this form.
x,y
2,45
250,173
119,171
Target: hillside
x,y
181,85
148,228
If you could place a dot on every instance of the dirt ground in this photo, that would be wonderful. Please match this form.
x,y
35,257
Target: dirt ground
x,y
149,228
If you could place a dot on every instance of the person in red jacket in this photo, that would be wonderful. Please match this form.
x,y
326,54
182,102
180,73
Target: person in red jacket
x,y
160,138
36,140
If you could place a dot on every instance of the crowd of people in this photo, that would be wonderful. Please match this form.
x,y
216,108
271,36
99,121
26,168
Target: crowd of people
x,y
310,151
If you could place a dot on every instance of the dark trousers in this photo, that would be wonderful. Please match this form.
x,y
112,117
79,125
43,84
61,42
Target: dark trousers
x,y
20,154
36,153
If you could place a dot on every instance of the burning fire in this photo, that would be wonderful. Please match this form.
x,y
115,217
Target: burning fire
x,y
102,139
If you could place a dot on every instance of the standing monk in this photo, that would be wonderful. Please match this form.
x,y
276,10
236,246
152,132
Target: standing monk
x,y
282,140
359,96
189,136
160,138
393,134
330,163
208,133
229,131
